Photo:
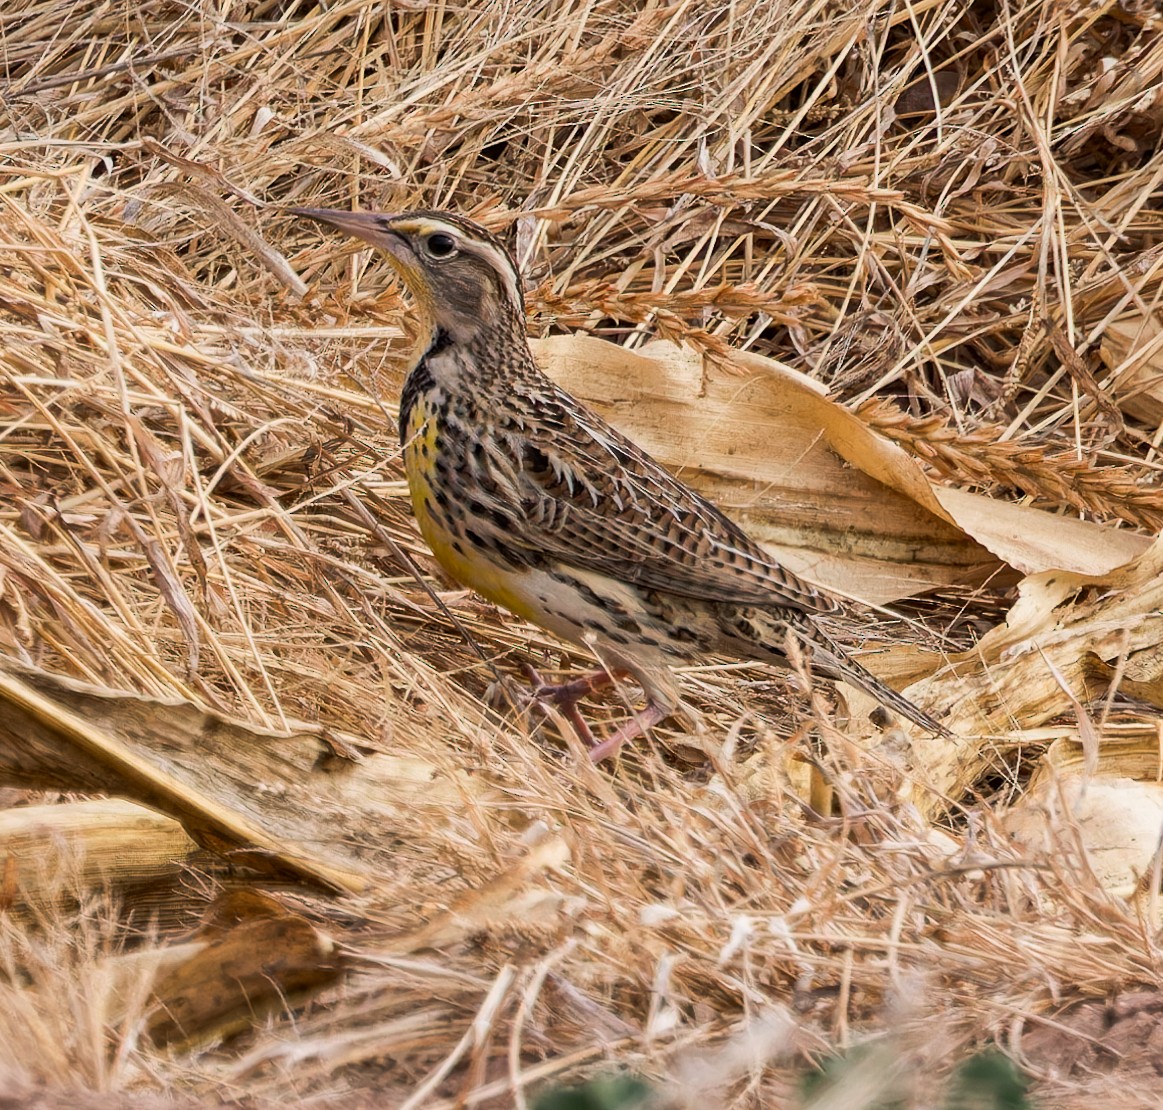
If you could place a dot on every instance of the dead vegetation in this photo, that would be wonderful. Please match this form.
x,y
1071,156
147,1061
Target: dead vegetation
x,y
406,892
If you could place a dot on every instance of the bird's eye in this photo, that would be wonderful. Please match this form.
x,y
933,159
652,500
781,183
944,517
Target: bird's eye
x,y
440,245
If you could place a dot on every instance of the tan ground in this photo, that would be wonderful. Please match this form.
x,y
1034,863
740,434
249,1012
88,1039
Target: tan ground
x,y
404,892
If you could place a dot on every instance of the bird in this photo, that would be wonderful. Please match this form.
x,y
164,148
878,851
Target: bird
x,y
533,500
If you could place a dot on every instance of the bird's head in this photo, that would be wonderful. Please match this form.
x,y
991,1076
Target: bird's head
x,y
461,276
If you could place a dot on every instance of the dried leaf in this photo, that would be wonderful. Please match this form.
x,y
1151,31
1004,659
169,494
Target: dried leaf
x,y
315,818
264,962
50,850
1115,809
1065,634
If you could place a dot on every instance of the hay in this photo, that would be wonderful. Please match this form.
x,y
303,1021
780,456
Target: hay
x,y
937,211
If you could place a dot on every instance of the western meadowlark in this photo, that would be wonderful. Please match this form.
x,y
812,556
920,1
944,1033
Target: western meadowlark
x,y
534,501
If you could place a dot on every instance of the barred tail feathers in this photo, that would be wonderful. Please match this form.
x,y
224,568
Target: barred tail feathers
x,y
831,659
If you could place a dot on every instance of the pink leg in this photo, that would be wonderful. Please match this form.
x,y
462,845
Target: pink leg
x,y
566,695
631,730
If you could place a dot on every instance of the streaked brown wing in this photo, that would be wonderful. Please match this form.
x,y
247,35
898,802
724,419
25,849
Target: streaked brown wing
x,y
588,497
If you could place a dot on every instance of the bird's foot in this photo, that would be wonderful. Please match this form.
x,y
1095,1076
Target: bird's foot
x,y
638,725
566,694
564,697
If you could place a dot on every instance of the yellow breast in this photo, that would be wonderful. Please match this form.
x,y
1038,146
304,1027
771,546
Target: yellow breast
x,y
441,509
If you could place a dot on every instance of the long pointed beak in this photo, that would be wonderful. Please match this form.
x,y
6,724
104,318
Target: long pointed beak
x,y
368,226
375,228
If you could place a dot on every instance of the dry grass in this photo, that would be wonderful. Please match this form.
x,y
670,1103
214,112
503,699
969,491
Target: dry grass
x,y
942,206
